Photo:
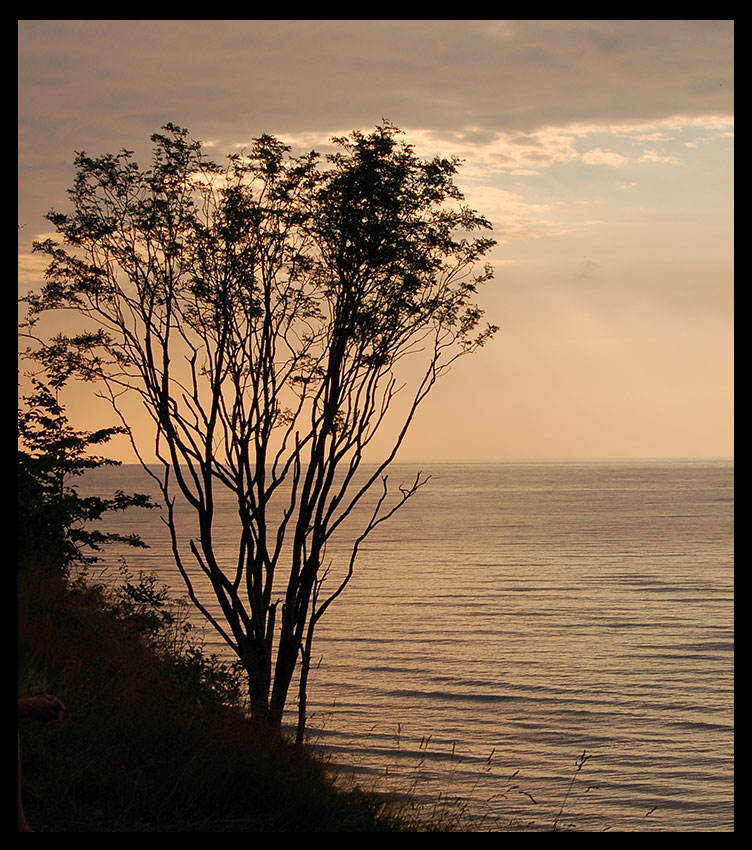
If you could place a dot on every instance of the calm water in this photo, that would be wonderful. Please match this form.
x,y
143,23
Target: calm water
x,y
514,615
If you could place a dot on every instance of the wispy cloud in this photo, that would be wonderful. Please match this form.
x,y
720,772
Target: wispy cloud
x,y
651,155
599,156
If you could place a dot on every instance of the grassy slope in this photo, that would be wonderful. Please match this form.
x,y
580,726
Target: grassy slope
x,y
142,750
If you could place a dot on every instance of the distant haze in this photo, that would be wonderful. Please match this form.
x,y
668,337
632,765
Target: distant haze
x,y
602,151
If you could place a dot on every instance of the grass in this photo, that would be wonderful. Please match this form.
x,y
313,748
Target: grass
x,y
147,745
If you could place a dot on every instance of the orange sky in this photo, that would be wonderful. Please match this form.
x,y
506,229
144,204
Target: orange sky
x,y
602,151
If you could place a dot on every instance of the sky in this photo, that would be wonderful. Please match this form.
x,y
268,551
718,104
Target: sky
x,y
601,151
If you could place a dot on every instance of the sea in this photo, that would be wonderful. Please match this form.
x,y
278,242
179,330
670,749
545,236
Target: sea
x,y
523,646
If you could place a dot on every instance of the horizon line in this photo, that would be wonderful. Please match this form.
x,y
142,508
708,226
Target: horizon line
x,y
613,459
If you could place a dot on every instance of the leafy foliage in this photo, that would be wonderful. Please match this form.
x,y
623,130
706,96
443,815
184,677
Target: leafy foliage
x,y
54,519
145,607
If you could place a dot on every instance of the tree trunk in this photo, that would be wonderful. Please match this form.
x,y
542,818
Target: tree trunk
x,y
305,668
285,668
257,667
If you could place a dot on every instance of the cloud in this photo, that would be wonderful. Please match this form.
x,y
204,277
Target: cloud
x,y
515,94
651,155
487,152
296,75
31,269
514,99
598,156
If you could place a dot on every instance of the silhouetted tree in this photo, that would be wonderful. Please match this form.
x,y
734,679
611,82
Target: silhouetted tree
x,y
262,310
55,528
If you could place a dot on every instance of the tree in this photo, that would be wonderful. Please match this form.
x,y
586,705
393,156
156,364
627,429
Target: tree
x,y
264,311
54,520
